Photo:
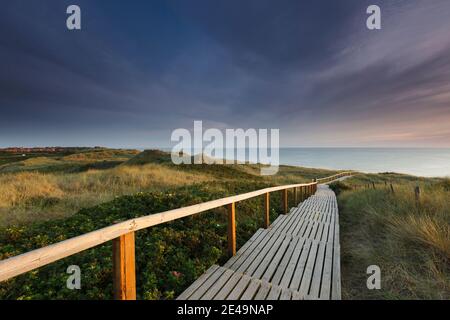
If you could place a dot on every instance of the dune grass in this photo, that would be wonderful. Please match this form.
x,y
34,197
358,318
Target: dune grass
x,y
34,196
42,188
407,237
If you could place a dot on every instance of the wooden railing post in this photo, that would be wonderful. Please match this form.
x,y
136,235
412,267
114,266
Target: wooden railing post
x,y
124,267
285,201
295,197
231,229
267,210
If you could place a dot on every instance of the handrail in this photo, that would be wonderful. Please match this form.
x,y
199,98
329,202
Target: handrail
x,y
334,177
25,262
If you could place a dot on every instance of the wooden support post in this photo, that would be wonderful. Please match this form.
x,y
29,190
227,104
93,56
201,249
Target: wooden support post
x,y
392,188
124,267
417,193
295,197
285,201
267,210
231,229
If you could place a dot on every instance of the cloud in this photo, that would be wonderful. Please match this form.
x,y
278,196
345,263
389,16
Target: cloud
x,y
311,69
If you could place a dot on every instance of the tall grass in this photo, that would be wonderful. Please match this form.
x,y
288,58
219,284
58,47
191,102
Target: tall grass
x,y
408,238
43,188
34,196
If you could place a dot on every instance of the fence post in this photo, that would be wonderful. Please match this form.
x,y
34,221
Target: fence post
x,y
392,188
231,229
267,210
417,193
295,197
285,201
124,267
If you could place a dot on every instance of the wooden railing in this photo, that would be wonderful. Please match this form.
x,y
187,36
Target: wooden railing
x,y
335,177
122,235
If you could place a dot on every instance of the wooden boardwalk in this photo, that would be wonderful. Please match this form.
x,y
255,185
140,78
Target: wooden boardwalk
x,y
297,257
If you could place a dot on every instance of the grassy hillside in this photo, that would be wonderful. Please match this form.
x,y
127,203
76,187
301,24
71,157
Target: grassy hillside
x,y
169,257
383,223
43,188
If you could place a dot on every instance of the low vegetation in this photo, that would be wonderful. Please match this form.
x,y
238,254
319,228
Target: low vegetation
x,y
169,257
43,200
401,224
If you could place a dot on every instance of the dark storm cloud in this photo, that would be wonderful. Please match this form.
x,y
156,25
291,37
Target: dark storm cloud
x,y
138,70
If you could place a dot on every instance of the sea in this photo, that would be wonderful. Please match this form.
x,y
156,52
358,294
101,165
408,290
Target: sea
x,y
425,162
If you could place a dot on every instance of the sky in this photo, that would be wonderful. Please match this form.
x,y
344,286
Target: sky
x,y
137,70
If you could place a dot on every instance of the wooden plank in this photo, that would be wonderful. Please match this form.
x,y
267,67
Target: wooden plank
x,y
264,256
239,288
263,291
251,251
283,264
318,236
309,229
274,293
218,284
289,272
277,221
326,229
330,237
301,224
314,230
285,294
283,224
336,278
317,274
297,296
208,283
124,267
251,290
336,233
307,276
300,267
197,283
326,279
229,286
244,248
274,264
266,242
232,229
296,217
